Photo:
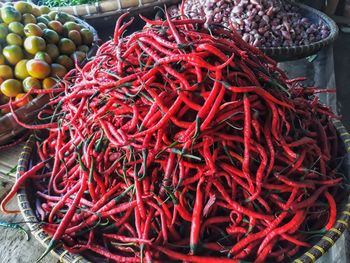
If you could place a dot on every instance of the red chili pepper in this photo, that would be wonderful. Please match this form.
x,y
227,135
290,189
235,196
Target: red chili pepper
x,y
238,207
311,200
196,218
259,173
67,217
117,32
247,138
183,134
295,221
295,241
261,257
157,46
27,126
25,176
332,210
62,201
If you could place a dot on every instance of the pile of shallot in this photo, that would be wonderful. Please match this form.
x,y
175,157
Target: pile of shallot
x,y
262,23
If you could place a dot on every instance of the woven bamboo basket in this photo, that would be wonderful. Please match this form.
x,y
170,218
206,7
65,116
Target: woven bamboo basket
x,y
26,200
296,52
9,129
281,54
105,12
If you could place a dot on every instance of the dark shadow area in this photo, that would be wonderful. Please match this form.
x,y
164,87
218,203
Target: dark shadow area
x,y
342,75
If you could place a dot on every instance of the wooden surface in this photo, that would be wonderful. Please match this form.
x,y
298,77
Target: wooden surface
x,y
14,247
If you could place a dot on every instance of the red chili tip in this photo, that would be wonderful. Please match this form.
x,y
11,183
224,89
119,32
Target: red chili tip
x,y
117,27
193,249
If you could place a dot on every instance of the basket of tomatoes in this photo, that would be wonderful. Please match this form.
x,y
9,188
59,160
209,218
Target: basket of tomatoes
x,y
38,47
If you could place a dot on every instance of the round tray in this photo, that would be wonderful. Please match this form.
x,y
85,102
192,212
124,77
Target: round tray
x,y
9,129
25,200
296,52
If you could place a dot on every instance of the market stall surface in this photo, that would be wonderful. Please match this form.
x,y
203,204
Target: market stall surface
x,y
15,248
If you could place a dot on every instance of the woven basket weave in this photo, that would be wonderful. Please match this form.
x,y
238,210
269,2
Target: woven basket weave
x,y
9,129
107,7
97,14
26,203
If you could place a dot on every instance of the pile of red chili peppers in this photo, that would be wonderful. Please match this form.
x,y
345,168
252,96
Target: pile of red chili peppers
x,y
184,143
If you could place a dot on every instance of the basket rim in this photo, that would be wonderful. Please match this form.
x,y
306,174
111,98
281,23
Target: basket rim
x,y
310,256
98,14
42,99
104,1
